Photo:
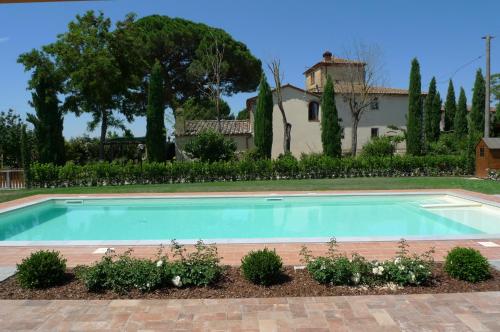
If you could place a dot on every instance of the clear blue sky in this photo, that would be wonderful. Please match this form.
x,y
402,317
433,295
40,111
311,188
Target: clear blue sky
x,y
443,34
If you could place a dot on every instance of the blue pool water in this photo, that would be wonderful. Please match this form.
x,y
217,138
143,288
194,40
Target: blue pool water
x,y
236,218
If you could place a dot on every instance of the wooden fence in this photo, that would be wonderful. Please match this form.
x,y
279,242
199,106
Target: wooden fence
x,y
12,179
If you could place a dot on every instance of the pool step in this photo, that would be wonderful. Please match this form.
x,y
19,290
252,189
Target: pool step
x,y
74,202
449,205
274,199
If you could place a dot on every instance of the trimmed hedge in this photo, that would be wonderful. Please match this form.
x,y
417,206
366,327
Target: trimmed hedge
x,y
308,167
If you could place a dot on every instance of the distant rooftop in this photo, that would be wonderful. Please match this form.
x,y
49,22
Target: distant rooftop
x,y
228,127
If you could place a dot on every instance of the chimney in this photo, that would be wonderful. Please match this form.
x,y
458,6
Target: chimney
x,y
327,56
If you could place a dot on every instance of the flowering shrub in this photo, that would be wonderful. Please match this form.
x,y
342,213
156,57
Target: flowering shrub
x,y
199,268
122,273
337,269
313,166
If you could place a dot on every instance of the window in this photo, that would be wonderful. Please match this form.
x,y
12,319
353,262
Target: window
x,y
481,152
374,104
313,111
374,132
311,77
342,131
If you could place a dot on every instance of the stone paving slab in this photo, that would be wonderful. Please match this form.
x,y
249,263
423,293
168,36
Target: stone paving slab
x,y
7,271
419,312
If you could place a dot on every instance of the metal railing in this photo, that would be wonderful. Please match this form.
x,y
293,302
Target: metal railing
x,y
12,179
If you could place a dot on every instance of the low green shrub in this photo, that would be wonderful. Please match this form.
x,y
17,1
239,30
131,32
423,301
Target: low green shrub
x,y
41,269
262,267
199,268
467,264
210,146
379,147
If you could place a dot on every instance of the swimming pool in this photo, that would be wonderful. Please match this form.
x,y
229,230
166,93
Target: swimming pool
x,y
260,218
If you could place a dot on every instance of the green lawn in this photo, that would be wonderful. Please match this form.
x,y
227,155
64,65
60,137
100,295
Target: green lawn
x,y
483,186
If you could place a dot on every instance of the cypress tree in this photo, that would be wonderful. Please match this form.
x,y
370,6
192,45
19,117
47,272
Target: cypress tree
x,y
414,144
429,113
450,108
263,123
478,102
460,121
330,127
155,123
26,156
48,118
436,116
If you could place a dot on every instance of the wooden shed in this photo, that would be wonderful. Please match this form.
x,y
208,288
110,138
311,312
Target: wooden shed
x,y
487,156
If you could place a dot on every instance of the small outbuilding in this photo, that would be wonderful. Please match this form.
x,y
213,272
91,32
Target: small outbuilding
x,y
487,156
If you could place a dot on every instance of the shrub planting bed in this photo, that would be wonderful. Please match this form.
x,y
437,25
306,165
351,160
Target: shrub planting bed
x,y
285,167
232,284
199,275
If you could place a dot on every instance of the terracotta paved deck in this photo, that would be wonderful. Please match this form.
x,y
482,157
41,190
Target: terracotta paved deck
x,y
441,312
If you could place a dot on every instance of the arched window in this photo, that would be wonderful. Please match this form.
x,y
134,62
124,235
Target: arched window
x,y
313,111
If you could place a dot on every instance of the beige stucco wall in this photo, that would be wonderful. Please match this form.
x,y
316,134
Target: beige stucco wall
x,y
338,72
306,135
243,143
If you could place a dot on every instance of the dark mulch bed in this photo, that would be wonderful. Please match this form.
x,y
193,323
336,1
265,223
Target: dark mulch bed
x,y
233,285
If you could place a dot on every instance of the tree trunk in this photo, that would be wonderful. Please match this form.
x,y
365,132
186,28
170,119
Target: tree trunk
x,y
104,129
217,108
354,135
287,136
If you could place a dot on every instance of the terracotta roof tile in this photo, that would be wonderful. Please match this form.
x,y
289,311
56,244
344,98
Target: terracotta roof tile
x,y
228,127
345,88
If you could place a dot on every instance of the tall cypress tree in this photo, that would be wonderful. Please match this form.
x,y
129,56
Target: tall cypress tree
x,y
155,122
478,102
460,121
263,123
450,108
429,110
436,116
48,118
330,127
414,144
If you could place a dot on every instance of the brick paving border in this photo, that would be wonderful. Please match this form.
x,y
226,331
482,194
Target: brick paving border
x,y
423,312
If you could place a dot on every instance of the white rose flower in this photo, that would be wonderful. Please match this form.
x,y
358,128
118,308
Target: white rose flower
x,y
397,260
177,281
356,278
159,263
401,267
412,277
380,270
375,270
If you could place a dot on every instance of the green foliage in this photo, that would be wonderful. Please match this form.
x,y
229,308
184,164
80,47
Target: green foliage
x,y
46,83
210,146
204,109
243,115
42,269
330,127
448,144
180,46
198,268
308,167
379,147
460,122
82,150
432,113
414,134
473,137
262,267
11,128
263,122
337,269
478,103
155,124
495,123
122,273
467,264
450,108
100,68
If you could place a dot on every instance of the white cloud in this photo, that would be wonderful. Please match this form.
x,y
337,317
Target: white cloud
x,y
4,39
